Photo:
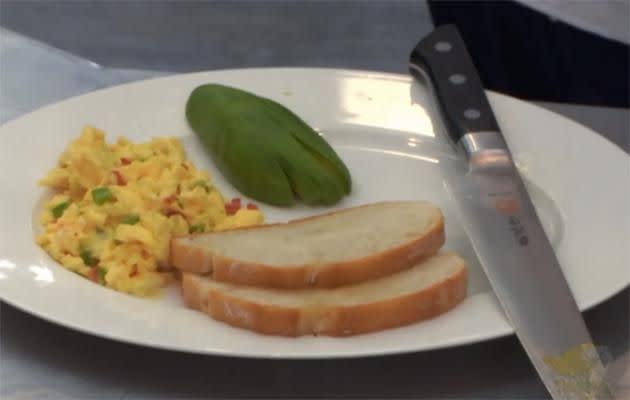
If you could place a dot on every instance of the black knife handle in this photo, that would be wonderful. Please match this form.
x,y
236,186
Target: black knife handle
x,y
444,59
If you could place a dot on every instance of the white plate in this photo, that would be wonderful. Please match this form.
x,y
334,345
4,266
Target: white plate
x,y
383,127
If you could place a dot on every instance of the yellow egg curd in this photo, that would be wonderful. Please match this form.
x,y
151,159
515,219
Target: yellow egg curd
x,y
116,206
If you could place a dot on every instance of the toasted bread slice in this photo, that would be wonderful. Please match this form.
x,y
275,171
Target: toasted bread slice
x,y
330,250
424,291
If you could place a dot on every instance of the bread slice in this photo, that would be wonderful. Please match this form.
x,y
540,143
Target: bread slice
x,y
329,250
426,290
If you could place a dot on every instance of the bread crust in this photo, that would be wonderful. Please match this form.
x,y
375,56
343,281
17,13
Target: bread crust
x,y
327,320
197,259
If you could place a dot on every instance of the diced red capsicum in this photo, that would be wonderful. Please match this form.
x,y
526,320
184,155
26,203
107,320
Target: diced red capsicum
x,y
120,179
125,161
173,211
93,275
233,206
170,198
230,209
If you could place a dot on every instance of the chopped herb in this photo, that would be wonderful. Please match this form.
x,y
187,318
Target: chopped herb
x,y
198,228
131,219
202,183
88,258
57,211
100,232
102,195
101,273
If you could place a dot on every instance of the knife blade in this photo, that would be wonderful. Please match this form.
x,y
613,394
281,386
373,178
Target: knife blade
x,y
504,228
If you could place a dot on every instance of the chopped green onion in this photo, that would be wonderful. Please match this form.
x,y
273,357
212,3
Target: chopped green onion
x,y
57,211
101,233
130,219
198,228
101,274
88,258
203,184
102,195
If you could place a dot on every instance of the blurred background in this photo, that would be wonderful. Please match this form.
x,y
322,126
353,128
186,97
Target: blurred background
x,y
572,51
200,35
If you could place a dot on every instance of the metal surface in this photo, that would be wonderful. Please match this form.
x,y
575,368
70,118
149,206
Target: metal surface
x,y
476,143
520,263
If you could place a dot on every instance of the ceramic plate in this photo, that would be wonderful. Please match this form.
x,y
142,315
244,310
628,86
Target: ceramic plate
x,y
385,129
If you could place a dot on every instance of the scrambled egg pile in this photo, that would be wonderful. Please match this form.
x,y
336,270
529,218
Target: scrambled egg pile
x,y
116,207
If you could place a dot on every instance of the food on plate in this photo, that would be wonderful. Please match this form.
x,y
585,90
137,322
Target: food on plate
x,y
116,206
266,151
428,289
337,248
132,216
349,272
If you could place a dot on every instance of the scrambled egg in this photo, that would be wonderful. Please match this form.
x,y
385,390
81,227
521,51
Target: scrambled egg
x,y
116,207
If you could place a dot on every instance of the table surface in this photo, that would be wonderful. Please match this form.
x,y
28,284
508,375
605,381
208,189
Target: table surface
x,y
39,360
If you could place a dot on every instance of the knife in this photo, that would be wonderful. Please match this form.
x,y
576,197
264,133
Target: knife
x,y
504,228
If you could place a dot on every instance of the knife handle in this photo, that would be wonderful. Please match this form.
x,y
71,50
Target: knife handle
x,y
442,57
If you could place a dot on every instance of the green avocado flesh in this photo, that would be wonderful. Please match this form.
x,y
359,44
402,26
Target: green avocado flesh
x,y
266,151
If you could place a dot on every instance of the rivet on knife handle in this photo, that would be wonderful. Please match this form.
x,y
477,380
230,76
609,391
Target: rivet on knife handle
x,y
463,104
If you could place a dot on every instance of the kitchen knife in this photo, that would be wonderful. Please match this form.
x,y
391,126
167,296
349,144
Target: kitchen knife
x,y
504,228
